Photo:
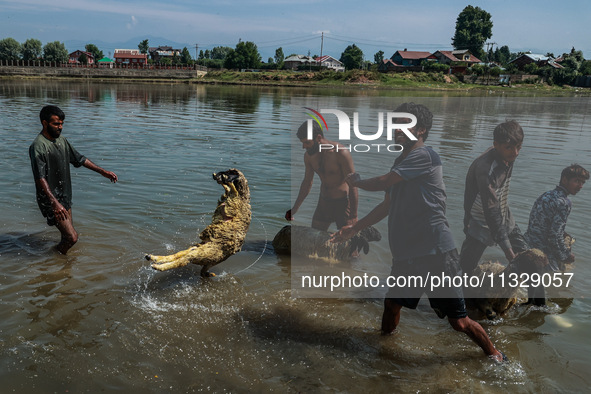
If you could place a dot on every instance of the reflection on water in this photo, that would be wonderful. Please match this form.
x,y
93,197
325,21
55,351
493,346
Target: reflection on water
x,y
101,319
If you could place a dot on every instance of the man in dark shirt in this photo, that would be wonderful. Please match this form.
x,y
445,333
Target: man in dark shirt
x,y
51,156
420,239
548,216
487,218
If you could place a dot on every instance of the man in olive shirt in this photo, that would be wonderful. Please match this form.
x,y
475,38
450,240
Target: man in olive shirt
x,y
51,156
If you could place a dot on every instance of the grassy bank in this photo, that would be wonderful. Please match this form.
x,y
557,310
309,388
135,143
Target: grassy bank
x,y
376,80
353,79
337,79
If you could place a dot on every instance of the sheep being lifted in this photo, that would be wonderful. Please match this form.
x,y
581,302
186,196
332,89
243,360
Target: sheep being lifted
x,y
224,236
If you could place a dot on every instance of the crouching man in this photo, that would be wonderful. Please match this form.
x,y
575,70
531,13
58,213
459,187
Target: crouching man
x,y
547,221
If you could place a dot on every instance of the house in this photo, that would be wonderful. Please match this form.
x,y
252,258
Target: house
x,y
410,58
458,60
453,58
105,62
330,63
293,62
389,65
540,60
163,52
73,58
130,56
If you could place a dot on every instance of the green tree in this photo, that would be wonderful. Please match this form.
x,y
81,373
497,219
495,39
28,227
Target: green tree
x,y
511,69
246,55
96,53
573,60
352,57
207,54
212,63
494,71
10,49
83,58
279,57
378,57
55,52
220,53
477,69
435,67
576,54
176,60
531,68
473,28
31,49
585,68
143,46
571,63
562,76
502,55
186,56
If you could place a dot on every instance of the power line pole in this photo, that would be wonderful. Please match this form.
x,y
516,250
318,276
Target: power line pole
x,y
196,52
488,46
321,43
487,69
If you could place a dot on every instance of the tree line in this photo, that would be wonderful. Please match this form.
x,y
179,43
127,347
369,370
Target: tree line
x,y
32,49
473,28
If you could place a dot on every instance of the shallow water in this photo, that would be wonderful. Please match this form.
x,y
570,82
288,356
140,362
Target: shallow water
x,y
101,319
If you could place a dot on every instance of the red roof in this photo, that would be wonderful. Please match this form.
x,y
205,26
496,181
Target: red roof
x,y
79,52
453,58
129,56
413,54
386,61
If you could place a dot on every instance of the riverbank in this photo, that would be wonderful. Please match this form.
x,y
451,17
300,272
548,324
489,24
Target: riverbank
x,y
353,79
100,73
381,81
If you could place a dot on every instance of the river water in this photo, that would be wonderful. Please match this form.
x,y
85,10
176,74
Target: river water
x,y
100,319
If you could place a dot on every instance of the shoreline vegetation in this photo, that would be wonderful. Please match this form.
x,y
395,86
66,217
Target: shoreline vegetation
x,y
353,79
382,81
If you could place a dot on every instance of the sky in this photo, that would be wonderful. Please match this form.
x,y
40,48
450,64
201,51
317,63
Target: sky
x,y
297,26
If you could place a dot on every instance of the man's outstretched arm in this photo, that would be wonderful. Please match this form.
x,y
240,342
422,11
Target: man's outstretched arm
x,y
377,214
107,174
305,188
375,184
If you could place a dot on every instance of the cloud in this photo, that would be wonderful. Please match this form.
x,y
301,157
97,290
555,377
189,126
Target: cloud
x,y
132,24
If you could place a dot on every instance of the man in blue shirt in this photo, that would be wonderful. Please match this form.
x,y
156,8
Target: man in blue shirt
x,y
548,216
420,239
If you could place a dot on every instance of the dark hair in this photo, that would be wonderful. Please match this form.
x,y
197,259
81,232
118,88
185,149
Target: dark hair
x,y
424,116
302,132
574,171
49,110
509,132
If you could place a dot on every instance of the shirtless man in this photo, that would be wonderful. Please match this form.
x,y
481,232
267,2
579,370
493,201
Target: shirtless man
x,y
337,201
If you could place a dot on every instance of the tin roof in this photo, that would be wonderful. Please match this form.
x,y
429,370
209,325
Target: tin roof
x,y
326,58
